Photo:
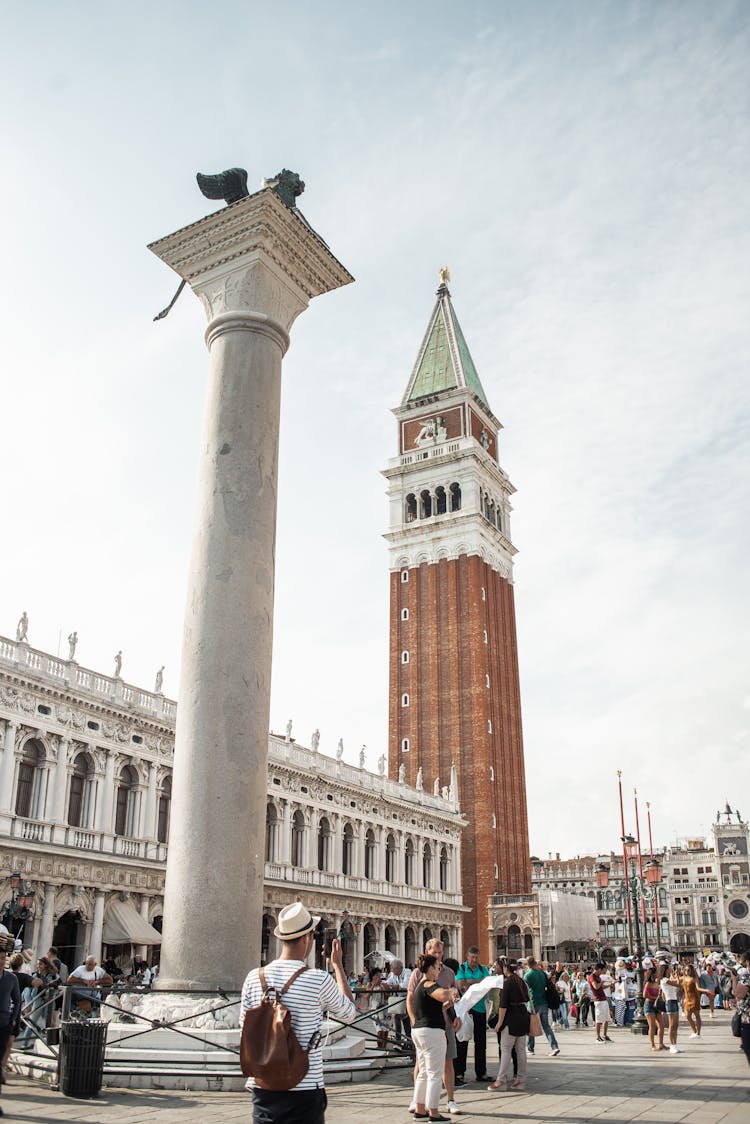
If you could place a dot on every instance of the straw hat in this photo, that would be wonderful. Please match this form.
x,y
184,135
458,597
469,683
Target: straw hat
x,y
294,922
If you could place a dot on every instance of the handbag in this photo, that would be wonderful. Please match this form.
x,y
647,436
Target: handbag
x,y
737,1023
535,1024
660,1005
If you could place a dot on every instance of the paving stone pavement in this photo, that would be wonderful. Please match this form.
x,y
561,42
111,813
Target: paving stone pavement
x,y
617,1084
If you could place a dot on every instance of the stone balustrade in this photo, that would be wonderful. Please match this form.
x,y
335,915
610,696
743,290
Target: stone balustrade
x,y
20,656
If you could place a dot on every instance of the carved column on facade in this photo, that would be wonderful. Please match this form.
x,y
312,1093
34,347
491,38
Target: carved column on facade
x,y
145,904
380,935
97,929
285,842
401,940
8,768
148,826
359,948
61,782
106,796
337,843
47,926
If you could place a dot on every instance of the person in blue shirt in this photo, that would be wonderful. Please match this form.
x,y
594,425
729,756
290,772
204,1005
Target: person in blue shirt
x,y
468,973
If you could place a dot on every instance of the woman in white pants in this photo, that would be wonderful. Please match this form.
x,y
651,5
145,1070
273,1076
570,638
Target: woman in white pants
x,y
513,1027
428,1036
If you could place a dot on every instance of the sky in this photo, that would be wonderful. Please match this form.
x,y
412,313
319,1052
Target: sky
x,y
582,168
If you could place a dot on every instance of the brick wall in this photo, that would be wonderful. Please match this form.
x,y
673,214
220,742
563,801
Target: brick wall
x,y
452,606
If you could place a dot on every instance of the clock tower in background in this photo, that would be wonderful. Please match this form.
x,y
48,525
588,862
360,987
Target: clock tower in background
x,y
454,697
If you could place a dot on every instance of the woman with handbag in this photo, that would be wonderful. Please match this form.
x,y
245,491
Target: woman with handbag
x,y
429,1038
514,1024
652,997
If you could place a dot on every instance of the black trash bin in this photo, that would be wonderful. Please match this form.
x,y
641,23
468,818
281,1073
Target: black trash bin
x,y
82,1046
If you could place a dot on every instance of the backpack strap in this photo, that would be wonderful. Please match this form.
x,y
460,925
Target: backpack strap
x,y
287,985
291,979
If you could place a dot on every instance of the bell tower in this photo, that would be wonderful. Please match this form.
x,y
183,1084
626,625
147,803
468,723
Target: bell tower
x,y
454,697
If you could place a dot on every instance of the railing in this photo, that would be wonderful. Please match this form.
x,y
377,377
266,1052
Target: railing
x,y
131,848
31,831
84,840
83,999
19,654
286,872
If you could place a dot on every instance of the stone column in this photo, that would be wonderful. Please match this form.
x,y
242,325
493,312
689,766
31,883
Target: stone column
x,y
95,947
285,839
47,926
61,781
143,949
104,821
255,266
148,826
8,768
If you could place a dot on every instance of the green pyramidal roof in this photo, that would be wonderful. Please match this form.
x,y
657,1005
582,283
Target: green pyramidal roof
x,y
444,361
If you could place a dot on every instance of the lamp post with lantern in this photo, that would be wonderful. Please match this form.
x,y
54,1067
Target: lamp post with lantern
x,y
17,911
638,888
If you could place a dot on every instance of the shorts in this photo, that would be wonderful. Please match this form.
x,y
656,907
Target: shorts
x,y
452,1050
649,1007
305,1106
601,1011
672,1006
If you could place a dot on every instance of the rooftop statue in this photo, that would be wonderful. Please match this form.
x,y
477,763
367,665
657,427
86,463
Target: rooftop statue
x,y
231,185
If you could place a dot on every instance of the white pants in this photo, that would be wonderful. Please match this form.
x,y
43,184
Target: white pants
x,y
431,1045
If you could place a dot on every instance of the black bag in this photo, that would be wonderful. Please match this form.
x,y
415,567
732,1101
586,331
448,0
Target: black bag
x,y
660,1005
517,1020
552,995
737,1024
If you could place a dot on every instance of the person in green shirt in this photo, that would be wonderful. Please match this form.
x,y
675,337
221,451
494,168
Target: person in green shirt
x,y
469,972
537,983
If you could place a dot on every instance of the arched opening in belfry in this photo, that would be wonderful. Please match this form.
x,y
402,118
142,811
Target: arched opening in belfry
x,y
410,513
455,490
441,503
425,504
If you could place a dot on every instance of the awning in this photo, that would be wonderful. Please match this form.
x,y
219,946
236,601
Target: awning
x,y
124,925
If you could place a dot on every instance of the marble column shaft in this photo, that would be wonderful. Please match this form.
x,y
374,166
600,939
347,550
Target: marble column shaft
x,y
255,266
8,768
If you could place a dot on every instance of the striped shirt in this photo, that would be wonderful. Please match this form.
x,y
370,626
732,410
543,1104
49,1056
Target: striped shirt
x,y
309,996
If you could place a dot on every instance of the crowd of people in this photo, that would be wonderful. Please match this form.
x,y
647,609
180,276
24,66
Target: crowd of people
x,y
435,1010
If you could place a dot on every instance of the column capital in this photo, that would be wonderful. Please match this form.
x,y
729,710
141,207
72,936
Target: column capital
x,y
257,256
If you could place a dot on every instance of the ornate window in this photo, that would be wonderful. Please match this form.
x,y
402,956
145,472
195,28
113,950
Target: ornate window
x,y
347,852
126,801
409,858
298,839
324,844
370,854
165,808
443,868
272,829
29,790
79,796
427,865
390,858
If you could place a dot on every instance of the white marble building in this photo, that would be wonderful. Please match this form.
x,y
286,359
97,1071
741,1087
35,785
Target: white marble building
x,y
85,791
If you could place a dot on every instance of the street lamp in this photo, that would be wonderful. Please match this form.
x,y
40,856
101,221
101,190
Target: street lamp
x,y
16,912
638,888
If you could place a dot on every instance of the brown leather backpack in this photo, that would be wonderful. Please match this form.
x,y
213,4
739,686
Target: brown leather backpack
x,y
270,1051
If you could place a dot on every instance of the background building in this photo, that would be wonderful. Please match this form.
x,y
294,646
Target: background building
x,y
85,799
454,686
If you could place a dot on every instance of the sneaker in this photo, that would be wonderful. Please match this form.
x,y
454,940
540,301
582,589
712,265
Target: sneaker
x,y
459,1080
676,1050
555,1052
695,1035
453,1108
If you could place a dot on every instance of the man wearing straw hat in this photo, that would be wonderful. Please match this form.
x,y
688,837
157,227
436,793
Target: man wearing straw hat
x,y
312,993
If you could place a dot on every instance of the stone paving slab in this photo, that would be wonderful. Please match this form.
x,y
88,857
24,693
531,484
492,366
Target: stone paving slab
x,y
621,1084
